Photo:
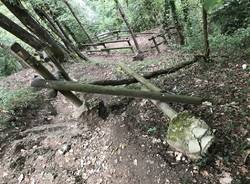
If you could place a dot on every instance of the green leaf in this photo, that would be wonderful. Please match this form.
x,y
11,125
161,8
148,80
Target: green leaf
x,y
210,4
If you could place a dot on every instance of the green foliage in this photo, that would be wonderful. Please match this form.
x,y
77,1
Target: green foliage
x,y
236,43
8,64
210,4
12,100
233,15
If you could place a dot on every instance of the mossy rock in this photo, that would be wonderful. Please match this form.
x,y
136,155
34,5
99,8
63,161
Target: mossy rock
x,y
189,135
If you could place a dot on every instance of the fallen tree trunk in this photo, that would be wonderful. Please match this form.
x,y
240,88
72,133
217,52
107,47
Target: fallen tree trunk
x,y
20,33
167,110
31,40
186,133
149,75
17,8
88,88
36,65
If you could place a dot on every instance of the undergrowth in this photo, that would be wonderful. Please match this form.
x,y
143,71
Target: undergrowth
x,y
11,101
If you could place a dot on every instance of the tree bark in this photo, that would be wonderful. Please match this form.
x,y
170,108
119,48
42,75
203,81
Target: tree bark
x,y
205,33
36,65
31,40
148,75
67,28
16,7
176,22
49,21
166,14
68,44
166,109
123,15
87,88
79,22
7,49
20,33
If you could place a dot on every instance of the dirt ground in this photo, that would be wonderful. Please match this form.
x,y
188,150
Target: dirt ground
x,y
129,147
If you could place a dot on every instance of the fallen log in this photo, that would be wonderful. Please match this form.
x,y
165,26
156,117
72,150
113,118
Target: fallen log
x,y
44,72
107,90
148,75
167,110
186,133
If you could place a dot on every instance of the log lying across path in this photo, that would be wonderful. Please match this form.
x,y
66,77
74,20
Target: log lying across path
x,y
166,109
186,133
148,75
108,90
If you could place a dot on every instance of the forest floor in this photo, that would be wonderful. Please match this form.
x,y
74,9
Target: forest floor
x,y
50,145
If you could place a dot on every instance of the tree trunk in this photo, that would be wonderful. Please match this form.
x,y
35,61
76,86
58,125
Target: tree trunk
x,y
79,22
185,10
16,7
128,25
36,65
20,33
60,26
205,33
166,14
167,110
93,89
67,28
176,22
148,75
60,34
31,40
49,21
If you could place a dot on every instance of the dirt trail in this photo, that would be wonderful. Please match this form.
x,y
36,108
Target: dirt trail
x,y
126,148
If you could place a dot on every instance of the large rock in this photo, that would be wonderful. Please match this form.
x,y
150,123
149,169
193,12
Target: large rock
x,y
189,135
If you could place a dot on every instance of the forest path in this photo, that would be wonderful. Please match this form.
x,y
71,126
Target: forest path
x,y
129,146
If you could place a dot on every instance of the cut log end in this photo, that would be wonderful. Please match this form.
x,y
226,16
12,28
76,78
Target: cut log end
x,y
38,82
17,48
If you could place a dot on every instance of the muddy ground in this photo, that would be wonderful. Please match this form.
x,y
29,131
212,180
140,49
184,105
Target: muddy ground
x,y
50,145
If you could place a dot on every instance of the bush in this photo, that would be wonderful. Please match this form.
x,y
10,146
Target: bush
x,y
13,100
8,64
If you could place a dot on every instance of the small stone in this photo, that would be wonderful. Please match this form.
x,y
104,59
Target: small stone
x,y
32,181
154,141
5,174
135,162
206,103
167,181
20,178
226,179
99,181
64,149
178,157
244,66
